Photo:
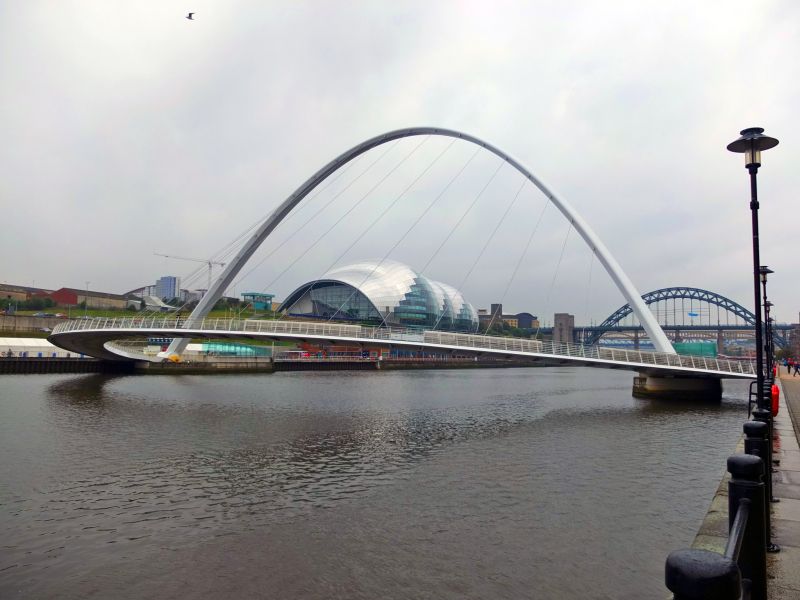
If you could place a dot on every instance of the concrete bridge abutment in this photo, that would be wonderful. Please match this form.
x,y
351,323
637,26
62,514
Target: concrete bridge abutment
x,y
677,388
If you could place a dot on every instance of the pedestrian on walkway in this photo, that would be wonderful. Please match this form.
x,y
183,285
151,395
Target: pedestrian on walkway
x,y
796,369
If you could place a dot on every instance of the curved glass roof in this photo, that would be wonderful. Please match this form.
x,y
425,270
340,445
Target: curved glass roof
x,y
393,290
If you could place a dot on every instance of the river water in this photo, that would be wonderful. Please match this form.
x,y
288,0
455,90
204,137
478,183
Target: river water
x,y
486,483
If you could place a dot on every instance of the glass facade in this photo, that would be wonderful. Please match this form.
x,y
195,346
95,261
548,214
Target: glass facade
x,y
334,300
388,291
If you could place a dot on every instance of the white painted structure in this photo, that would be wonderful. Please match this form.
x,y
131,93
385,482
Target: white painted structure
x,y
33,348
100,337
621,280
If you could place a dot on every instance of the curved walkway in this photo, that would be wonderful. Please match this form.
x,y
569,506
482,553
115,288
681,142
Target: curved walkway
x,y
96,337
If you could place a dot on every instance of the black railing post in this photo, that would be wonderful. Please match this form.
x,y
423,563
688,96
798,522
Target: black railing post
x,y
756,443
746,483
765,416
702,575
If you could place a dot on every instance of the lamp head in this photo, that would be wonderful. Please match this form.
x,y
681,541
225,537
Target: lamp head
x,y
764,271
751,143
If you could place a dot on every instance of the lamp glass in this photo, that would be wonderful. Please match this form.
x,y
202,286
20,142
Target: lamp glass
x,y
752,157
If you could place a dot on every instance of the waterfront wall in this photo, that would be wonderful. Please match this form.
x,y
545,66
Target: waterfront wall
x,y
28,365
233,364
27,323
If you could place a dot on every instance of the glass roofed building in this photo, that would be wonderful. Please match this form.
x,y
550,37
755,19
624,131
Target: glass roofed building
x,y
383,292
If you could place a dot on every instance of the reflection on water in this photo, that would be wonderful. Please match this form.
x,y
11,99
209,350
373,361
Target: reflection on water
x,y
105,474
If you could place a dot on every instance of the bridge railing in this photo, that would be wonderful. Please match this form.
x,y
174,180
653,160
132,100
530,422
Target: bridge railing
x,y
464,340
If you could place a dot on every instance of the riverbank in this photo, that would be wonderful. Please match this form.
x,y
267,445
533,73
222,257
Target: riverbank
x,y
29,365
220,365
783,568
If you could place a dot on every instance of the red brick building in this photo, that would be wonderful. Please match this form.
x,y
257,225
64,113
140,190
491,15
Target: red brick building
x,y
74,297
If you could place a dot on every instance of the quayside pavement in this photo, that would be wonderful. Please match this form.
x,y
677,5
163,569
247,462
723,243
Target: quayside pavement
x,y
784,568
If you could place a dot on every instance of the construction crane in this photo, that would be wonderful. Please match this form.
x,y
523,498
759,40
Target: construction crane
x,y
208,261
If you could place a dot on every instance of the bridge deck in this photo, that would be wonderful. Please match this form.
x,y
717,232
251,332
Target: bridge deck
x,y
96,337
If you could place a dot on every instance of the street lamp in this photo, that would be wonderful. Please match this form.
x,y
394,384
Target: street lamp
x,y
86,299
763,272
751,143
770,346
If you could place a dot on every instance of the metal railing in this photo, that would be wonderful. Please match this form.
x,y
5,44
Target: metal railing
x,y
741,570
359,333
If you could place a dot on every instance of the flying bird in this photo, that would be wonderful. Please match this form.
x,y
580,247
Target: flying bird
x,y
190,17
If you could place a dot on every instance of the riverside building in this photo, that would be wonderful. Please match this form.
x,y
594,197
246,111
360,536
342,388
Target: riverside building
x,y
386,292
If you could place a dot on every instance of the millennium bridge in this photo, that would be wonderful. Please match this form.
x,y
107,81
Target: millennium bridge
x,y
104,338
662,369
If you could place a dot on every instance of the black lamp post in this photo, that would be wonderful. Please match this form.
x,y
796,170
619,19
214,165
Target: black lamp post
x,y
751,143
770,344
763,272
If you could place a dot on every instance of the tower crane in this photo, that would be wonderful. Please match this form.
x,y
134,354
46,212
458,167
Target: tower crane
x,y
207,261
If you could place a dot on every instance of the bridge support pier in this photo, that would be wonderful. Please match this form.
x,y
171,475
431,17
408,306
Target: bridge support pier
x,y
677,388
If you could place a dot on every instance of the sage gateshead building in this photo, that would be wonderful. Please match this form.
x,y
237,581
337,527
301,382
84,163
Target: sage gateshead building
x,y
382,292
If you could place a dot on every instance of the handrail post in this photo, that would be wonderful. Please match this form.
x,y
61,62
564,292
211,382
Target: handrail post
x,y
702,575
765,416
746,483
756,443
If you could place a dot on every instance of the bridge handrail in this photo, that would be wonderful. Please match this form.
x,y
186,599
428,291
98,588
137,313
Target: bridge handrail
x,y
360,332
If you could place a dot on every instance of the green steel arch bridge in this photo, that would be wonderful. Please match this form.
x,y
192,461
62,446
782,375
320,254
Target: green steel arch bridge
x,y
744,318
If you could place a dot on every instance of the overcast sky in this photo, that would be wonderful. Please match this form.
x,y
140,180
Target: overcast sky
x,y
128,129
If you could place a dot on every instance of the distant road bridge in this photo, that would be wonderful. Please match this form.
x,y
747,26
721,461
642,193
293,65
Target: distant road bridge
x,y
101,337
613,323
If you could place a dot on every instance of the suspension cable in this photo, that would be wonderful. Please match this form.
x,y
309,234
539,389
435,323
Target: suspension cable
x,y
588,293
402,237
555,273
351,209
545,206
228,249
314,216
463,216
486,243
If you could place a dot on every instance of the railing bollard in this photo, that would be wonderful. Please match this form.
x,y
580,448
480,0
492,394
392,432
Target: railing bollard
x,y
746,483
765,416
756,443
702,575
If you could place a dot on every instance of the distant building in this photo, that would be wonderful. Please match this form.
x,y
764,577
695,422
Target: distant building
x,y
563,327
258,300
141,292
794,341
526,320
74,297
168,287
511,320
494,315
191,295
21,292
490,317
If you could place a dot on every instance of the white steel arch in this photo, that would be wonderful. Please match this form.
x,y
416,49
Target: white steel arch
x,y
613,268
